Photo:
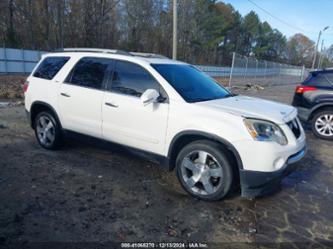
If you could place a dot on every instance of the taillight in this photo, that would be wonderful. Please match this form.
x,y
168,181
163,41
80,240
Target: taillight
x,y
303,89
25,86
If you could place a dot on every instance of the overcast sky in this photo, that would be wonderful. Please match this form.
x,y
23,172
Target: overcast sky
x,y
298,16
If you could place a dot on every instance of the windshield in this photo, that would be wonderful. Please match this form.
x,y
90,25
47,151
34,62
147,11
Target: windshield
x,y
192,84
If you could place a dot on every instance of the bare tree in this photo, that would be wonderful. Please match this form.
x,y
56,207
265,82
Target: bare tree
x,y
208,30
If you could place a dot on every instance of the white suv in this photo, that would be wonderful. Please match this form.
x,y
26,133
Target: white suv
x,y
170,110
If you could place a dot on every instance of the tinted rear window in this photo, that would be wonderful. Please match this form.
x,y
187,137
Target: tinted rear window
x,y
320,79
50,66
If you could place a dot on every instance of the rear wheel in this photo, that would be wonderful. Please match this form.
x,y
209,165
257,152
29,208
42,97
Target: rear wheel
x,y
204,170
47,131
322,124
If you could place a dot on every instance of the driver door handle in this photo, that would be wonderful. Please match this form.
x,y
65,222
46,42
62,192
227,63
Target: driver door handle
x,y
111,105
65,95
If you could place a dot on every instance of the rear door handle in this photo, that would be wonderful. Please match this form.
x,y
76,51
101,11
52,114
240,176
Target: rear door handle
x,y
111,105
65,95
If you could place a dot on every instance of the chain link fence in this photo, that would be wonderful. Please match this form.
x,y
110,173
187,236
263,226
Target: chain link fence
x,y
250,71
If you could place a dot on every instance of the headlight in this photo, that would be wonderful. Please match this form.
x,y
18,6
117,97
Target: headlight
x,y
265,131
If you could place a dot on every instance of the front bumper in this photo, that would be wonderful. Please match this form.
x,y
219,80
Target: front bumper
x,y
256,183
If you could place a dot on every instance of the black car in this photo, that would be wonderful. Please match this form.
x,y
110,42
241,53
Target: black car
x,y
314,101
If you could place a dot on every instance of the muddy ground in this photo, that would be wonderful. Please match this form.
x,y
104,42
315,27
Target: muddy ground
x,y
89,193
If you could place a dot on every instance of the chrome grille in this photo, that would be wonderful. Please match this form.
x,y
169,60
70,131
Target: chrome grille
x,y
295,127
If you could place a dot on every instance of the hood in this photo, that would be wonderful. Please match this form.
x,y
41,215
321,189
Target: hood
x,y
253,108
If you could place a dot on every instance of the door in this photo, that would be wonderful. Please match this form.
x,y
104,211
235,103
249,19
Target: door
x,y
81,96
125,119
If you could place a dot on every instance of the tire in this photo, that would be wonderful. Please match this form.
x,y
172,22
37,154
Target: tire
x,y
322,124
47,131
203,163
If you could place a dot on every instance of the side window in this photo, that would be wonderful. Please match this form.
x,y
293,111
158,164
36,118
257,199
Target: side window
x,y
329,77
50,66
131,79
321,79
89,72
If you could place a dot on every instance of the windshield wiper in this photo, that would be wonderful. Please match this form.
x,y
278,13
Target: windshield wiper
x,y
201,100
208,99
230,95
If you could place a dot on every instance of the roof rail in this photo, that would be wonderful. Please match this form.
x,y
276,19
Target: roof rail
x,y
112,51
148,55
94,50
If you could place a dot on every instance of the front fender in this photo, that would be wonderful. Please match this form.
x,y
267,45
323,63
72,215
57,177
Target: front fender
x,y
196,133
321,105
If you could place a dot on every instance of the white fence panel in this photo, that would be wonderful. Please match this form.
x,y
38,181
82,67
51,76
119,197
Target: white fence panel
x,y
246,70
18,60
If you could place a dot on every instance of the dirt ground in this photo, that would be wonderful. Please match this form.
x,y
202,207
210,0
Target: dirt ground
x,y
84,193
11,86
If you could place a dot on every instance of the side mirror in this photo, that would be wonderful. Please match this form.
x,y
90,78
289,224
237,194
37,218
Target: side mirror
x,y
149,96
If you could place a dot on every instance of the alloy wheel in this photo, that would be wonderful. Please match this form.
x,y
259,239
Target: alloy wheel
x,y
201,172
324,125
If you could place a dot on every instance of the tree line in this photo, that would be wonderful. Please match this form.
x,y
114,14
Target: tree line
x,y
208,30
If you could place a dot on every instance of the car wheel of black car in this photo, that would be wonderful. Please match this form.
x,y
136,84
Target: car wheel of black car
x,y
204,170
322,124
47,131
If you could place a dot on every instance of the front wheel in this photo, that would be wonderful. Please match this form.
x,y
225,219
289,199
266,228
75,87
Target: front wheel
x,y
322,124
204,170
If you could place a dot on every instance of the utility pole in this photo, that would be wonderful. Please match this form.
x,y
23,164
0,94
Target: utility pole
x,y
174,36
232,68
321,54
315,52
